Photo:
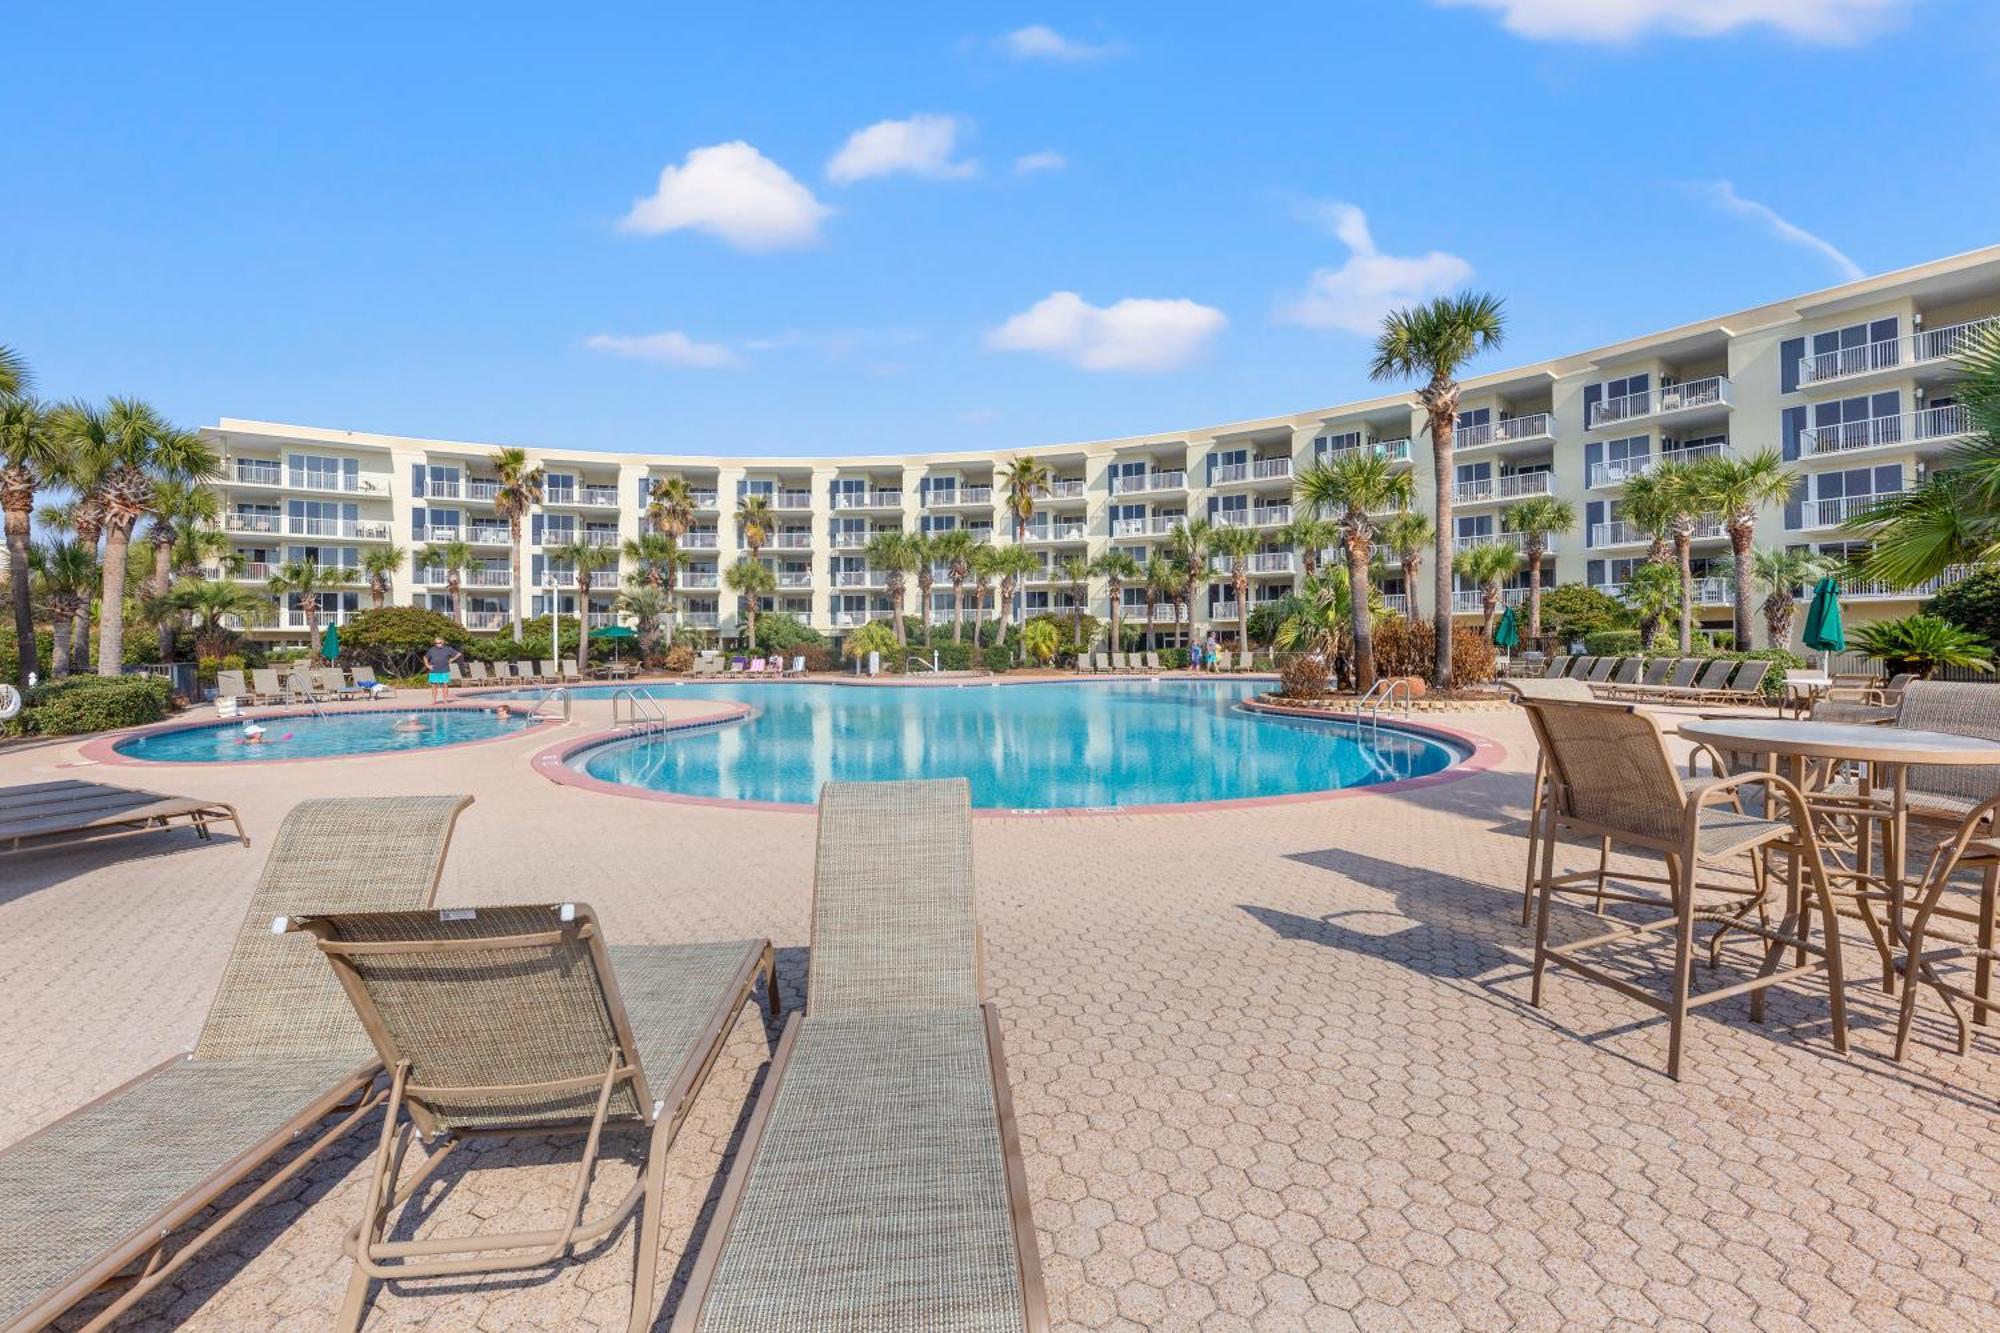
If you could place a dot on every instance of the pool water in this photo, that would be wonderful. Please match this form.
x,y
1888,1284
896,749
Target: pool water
x,y
1023,747
306,736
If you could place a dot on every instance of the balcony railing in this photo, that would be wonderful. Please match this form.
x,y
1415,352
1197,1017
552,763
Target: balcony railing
x,y
354,529
1833,513
271,523
1708,590
1396,451
441,489
958,496
1532,426
700,619
327,616
257,472
1877,590
1230,518
1518,486
601,619
792,578
1618,471
482,488
849,541
1932,425
600,539
441,532
704,499
857,578
1396,601
257,571
1472,601
1154,481
1618,532
598,497
486,619
1517,540
1271,516
1060,490
701,578
1270,469
435,576
1913,349
489,534
1057,532
1667,399
1227,473
792,541
1271,562
700,541
792,500
867,499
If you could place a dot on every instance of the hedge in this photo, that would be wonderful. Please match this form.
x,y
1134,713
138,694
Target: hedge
x,y
76,705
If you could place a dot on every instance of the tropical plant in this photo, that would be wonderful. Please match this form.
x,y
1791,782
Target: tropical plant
x,y
1572,610
1736,487
1487,567
647,605
67,574
30,455
923,560
1014,566
587,560
209,605
670,507
1407,532
888,553
1319,618
14,376
1666,503
185,512
1187,548
454,558
1537,519
1651,592
1237,545
1434,341
982,563
1922,644
1973,601
752,581
1308,535
1020,480
756,520
1075,571
1350,489
518,492
308,580
378,569
873,637
1117,568
953,549
1782,573
1163,583
1041,639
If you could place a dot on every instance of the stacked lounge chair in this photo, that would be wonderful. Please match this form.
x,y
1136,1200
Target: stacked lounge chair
x,y
281,1062
879,1182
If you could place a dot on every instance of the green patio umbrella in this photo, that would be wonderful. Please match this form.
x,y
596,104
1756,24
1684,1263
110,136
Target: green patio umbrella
x,y
618,634
1507,634
329,644
1823,630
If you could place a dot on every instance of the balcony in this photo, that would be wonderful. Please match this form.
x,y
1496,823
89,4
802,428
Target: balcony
x,y
700,541
1707,590
256,571
1150,482
1271,562
1397,602
601,619
790,578
849,541
441,489
700,619
434,576
1472,601
704,500
486,620
853,619
598,497
366,530
698,579
1711,393
1934,425
792,541
601,540
958,497
1057,532
1519,486
858,578
1517,540
1833,513
296,620
1909,352
1619,471
1875,590
483,489
1271,516
792,500
489,534
1531,427
440,532
1620,533
1396,451
867,499
257,472
261,523
1060,490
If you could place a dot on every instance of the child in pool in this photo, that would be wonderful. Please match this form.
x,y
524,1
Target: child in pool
x,y
408,724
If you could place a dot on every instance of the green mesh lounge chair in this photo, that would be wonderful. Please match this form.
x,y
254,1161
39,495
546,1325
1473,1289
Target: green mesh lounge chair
x,y
505,1021
879,1184
281,1060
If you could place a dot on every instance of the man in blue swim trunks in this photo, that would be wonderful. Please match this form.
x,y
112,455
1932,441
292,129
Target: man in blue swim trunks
x,y
437,661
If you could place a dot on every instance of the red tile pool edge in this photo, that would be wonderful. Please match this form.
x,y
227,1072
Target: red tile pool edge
x,y
552,763
104,749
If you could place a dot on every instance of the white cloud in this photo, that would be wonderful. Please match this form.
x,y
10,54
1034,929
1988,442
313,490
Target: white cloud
x,y
732,191
1038,41
671,348
1046,160
1133,334
1725,197
1627,20
921,146
1370,284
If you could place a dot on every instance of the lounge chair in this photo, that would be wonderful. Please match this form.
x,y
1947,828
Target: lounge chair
x,y
520,1021
879,1183
1558,668
265,687
457,676
708,666
1706,686
1119,664
570,675
300,687
229,685
756,667
1225,660
1679,676
332,681
1624,677
69,810
1100,663
1600,669
1747,685
526,671
364,678
1083,667
475,671
281,1063
547,673
1580,669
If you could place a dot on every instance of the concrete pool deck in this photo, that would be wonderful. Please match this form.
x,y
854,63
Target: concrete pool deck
x,y
1274,1067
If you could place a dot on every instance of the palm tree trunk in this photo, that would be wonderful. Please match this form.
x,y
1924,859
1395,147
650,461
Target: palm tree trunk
x,y
1740,535
163,579
1152,607
1682,548
1117,634
514,590
1442,442
58,650
18,519
79,638
1534,594
1242,611
111,629
1410,586
1364,630
1490,604
896,614
958,610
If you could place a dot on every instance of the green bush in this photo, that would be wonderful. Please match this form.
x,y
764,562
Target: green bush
x,y
1972,603
778,632
386,637
1612,643
208,666
998,658
1922,644
1572,611
10,654
77,705
1782,661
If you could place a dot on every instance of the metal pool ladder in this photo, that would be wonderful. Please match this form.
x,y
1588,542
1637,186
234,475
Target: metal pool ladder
x,y
642,707
1382,694
545,696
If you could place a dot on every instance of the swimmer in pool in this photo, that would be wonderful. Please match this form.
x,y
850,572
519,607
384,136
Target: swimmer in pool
x,y
253,734
408,724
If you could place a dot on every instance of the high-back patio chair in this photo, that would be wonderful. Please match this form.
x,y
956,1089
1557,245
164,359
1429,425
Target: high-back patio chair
x,y
282,1068
1973,849
1558,667
1612,781
265,685
879,1184
230,685
500,1021
1521,691
1944,793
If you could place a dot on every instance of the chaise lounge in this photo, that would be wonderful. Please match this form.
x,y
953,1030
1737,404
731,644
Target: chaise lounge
x,y
67,810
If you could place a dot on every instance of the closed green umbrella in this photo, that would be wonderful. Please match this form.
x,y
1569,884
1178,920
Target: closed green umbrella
x,y
329,644
1823,630
1507,634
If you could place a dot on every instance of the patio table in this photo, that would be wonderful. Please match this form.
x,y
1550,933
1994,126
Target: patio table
x,y
1886,754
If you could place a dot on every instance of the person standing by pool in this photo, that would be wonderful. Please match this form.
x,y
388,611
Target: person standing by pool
x,y
437,661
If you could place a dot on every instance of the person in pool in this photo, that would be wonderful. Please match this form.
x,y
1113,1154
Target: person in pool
x,y
437,661
253,734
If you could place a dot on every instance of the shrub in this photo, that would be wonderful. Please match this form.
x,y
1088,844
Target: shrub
x,y
1782,661
679,659
997,658
387,638
79,704
208,666
1173,659
1972,603
1405,647
873,637
10,655
953,656
1302,677
780,632
1473,661
1612,643
1922,644
1572,611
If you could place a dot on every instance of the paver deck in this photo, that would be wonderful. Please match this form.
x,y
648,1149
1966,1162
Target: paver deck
x,y
1274,1068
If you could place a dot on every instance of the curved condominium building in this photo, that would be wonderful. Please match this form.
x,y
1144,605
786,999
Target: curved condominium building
x,y
1854,384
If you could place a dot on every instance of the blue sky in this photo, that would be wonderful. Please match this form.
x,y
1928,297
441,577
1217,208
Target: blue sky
x,y
935,227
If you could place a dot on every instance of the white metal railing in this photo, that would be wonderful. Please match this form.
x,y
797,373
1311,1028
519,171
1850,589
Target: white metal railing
x,y
1161,525
851,619
849,541
1709,391
1397,602
1152,481
1705,590
489,578
356,529
482,488
435,489
1270,469
327,616
1066,489
854,578
601,619
701,578
1227,473
700,541
1472,601
1271,562
1128,527
1619,532
485,619
790,578
958,495
1913,349
257,571
1516,486
1931,424
1230,518
1056,532
441,532
1530,426
1618,471
1517,540
867,499
598,497
1396,451
700,619
704,499
792,500
1219,611
792,541
271,523
486,534
1832,513
256,472
1273,516
1877,589
600,539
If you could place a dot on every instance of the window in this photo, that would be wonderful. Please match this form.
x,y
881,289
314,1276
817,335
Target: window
x,y
1333,442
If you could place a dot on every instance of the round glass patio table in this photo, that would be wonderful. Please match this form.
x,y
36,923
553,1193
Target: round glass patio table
x,y
1887,753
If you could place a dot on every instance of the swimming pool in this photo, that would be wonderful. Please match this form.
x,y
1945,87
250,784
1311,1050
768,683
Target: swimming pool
x,y
327,736
1054,746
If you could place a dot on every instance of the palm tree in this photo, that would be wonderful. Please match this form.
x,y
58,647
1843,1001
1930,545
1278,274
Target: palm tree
x,y
1021,480
183,511
210,604
1075,571
1487,567
519,491
1187,547
1350,489
1651,592
1308,536
454,558
983,563
87,447
1649,502
953,549
1407,533
646,604
1117,568
1318,619
1238,544
588,560
923,559
1163,582
1669,502
755,522
750,579
888,553
1736,487
1014,565
378,566
1537,519
68,575
1435,340
1781,573
308,580
14,376
30,455
670,507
